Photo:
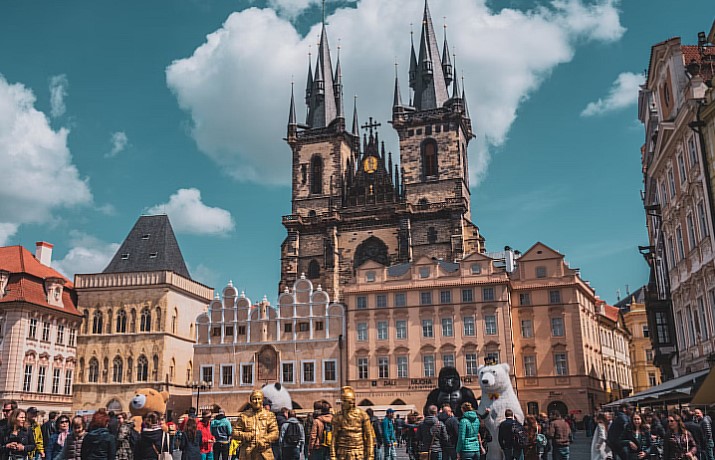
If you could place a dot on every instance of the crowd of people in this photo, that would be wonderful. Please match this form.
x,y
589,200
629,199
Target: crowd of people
x,y
438,435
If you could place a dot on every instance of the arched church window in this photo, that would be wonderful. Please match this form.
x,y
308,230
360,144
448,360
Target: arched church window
x,y
97,322
313,270
372,248
145,322
93,371
122,321
142,369
316,175
117,370
429,159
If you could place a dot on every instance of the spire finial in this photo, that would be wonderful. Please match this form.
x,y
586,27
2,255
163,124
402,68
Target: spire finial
x,y
356,123
323,13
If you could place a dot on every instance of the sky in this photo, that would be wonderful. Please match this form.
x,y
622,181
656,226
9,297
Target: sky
x,y
110,110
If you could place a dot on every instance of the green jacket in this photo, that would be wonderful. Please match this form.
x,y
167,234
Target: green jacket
x,y
468,439
39,444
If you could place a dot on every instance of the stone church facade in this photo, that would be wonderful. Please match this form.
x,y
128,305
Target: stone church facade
x,y
351,203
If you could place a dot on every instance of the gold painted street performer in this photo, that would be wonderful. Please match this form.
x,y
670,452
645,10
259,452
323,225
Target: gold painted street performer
x,y
353,437
256,428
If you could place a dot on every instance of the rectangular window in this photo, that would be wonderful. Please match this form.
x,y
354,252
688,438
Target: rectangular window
x,y
383,367
427,330
671,182
447,327
227,375
702,219
362,332
681,168
362,368
241,330
448,360
41,379
401,329
490,325
288,371
424,272
361,302
73,335
27,381
679,239
229,332
381,300
541,272
671,251
492,356
554,296
247,374
303,327
207,374
646,332
445,297
56,381
476,269
308,372
370,277
32,332
216,332
652,380
557,327
426,298
428,365
468,323
60,334
561,364
467,295
488,294
382,330
664,194
402,367
527,328
529,366
288,328
68,382
692,151
649,356
472,365
330,371
524,298
400,299
692,239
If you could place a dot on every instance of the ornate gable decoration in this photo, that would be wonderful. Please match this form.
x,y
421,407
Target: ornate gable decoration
x,y
53,289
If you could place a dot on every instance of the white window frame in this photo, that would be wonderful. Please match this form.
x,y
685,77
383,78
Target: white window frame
x,y
337,370
532,362
365,360
233,375
397,329
447,325
302,373
292,362
496,325
213,373
470,364
424,366
427,324
530,329
472,324
407,367
386,360
383,333
358,335
452,358
253,375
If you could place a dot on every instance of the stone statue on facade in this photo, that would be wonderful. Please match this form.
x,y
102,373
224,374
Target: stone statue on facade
x,y
256,428
353,437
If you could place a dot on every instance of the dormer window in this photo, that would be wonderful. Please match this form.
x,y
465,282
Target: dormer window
x,y
4,278
153,255
146,236
476,269
125,256
53,289
424,272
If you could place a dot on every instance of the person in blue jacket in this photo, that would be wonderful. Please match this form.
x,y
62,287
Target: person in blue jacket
x,y
388,435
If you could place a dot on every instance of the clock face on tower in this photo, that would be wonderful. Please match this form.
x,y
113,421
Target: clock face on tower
x,y
369,165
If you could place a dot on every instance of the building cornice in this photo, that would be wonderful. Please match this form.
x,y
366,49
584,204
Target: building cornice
x,y
113,281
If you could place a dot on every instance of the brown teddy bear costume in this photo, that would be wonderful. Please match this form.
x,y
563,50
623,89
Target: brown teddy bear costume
x,y
147,400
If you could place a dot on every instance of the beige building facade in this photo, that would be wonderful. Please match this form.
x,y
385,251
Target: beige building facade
x,y
139,327
244,345
615,339
39,322
644,373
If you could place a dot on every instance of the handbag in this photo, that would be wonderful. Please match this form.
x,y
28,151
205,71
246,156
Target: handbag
x,y
161,454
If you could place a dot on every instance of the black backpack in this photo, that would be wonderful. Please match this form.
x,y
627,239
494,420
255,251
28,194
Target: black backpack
x,y
292,436
521,439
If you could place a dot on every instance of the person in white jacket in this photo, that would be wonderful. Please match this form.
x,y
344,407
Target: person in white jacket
x,y
599,449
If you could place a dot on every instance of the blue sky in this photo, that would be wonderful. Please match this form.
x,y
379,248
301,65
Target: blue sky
x,y
112,109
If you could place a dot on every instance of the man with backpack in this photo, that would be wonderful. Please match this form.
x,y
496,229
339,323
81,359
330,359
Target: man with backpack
x,y
512,436
447,417
321,435
377,428
221,430
291,438
388,435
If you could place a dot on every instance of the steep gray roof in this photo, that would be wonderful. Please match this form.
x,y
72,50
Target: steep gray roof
x,y
150,246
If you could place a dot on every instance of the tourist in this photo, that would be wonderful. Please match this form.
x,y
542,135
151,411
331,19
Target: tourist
x,y
221,430
468,445
678,443
72,450
291,438
16,439
447,417
98,443
507,441
399,428
377,428
706,426
49,426
37,432
616,429
636,440
432,435
410,435
545,424
560,435
57,440
532,450
388,435
599,446
207,439
126,437
320,434
694,428
190,442
152,440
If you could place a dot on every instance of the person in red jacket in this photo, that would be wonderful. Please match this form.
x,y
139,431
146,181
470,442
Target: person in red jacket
x,y
207,439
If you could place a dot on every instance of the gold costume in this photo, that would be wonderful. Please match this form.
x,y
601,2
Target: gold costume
x,y
353,437
256,428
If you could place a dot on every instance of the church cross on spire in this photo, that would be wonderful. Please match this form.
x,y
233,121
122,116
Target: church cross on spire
x,y
370,125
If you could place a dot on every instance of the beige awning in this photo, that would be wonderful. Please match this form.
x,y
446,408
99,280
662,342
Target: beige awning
x,y
706,393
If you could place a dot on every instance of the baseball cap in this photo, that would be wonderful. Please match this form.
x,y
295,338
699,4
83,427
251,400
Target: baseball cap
x,y
390,411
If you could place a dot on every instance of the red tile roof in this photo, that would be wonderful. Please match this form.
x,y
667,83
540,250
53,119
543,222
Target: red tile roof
x,y
27,280
611,312
692,53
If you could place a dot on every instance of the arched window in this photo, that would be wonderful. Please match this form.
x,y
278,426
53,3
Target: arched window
x,y
121,321
155,368
174,321
117,370
145,322
133,321
93,376
189,371
159,327
97,322
429,159
172,369
313,270
142,369
316,175
372,248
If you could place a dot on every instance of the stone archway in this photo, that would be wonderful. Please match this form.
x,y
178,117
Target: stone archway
x,y
558,406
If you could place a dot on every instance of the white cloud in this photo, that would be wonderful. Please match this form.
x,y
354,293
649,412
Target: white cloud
x,y
119,141
623,92
38,176
58,92
293,8
7,231
189,214
87,255
236,86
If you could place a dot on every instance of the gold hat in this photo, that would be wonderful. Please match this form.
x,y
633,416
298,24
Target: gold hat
x,y
347,392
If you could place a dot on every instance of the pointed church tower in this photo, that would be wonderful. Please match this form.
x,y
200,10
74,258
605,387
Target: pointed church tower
x,y
434,135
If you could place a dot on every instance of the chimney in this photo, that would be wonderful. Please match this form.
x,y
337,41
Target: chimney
x,y
43,252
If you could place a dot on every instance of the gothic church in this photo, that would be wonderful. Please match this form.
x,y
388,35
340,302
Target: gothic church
x,y
351,203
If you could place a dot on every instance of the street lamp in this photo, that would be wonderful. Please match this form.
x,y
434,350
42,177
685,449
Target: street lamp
x,y
198,386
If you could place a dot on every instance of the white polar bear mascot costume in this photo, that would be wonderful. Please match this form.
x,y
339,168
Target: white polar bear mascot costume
x,y
497,396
